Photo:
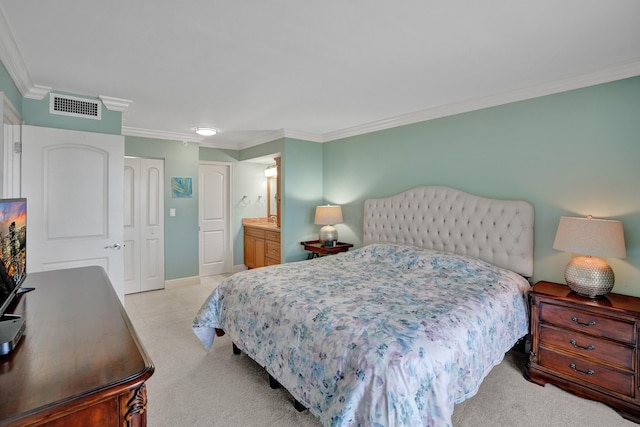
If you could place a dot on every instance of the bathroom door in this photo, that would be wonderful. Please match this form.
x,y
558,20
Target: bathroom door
x,y
216,248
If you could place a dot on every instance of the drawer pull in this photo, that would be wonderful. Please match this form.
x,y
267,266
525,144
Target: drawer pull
x,y
589,372
591,323
590,347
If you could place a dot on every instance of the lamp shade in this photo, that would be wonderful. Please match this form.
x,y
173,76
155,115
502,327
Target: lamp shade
x,y
328,215
588,236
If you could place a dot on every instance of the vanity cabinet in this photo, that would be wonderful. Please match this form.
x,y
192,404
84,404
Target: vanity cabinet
x,y
261,246
253,247
272,247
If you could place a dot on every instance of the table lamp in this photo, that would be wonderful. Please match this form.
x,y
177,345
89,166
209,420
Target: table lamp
x,y
590,238
328,216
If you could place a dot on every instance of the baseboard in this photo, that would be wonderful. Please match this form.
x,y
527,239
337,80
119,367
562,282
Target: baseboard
x,y
183,281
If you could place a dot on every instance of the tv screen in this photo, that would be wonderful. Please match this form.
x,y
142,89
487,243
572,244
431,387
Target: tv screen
x,y
13,248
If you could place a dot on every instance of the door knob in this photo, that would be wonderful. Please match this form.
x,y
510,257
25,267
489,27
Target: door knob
x,y
115,246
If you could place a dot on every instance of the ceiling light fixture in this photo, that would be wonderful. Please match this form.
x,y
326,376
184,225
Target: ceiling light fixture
x,y
206,131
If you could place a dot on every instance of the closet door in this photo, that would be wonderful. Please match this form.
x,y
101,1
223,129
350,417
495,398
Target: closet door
x,y
143,224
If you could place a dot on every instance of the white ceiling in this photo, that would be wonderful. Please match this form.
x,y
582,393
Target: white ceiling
x,y
318,70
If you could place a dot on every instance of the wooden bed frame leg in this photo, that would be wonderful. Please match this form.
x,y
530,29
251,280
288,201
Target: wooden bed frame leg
x,y
273,383
236,350
299,406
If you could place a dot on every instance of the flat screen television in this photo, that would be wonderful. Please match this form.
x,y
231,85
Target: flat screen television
x,y
13,267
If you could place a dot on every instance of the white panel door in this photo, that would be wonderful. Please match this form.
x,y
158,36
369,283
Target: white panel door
x,y
73,184
216,251
143,224
131,250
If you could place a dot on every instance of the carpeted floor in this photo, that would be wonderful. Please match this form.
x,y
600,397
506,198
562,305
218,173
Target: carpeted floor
x,y
193,387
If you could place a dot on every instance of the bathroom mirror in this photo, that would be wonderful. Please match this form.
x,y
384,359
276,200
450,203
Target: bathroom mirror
x,y
272,196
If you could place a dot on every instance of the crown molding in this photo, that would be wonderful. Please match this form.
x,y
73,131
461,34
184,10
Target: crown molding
x,y
223,145
14,63
262,139
37,92
618,72
158,134
306,136
116,104
9,113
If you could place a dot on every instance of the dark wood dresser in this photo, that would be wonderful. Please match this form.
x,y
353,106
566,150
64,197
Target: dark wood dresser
x,y
586,346
80,362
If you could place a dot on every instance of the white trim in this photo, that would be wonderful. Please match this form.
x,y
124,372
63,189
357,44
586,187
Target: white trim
x,y
116,104
9,113
262,139
158,134
222,145
11,147
37,92
14,63
306,136
619,72
183,281
230,210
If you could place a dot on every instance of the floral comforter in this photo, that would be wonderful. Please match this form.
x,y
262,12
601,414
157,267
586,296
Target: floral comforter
x,y
385,335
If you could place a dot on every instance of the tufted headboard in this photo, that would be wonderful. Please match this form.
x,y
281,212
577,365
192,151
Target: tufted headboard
x,y
445,219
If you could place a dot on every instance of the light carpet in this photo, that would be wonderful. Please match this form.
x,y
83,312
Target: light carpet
x,y
198,388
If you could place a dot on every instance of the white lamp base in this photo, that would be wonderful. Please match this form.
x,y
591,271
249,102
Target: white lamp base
x,y
328,235
589,276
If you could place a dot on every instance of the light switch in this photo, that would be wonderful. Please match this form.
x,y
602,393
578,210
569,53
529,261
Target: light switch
x,y
172,211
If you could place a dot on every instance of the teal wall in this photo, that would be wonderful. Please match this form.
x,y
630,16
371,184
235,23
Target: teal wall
x,y
301,181
302,189
574,153
8,87
36,113
181,231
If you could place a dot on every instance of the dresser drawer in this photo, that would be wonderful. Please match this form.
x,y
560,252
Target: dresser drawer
x,y
585,370
587,346
588,323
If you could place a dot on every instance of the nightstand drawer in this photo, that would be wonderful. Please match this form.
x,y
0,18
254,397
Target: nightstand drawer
x,y
587,346
588,323
587,371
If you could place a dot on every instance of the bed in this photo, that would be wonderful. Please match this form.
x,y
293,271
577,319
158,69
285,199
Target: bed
x,y
396,332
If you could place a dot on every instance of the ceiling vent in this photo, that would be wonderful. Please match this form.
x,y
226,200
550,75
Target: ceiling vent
x,y
75,107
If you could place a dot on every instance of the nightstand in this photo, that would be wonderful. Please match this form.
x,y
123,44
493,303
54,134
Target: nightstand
x,y
316,248
586,346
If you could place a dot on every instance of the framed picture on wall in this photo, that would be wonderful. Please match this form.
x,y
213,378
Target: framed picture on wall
x,y
181,187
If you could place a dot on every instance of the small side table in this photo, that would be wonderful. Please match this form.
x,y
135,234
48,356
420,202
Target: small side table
x,y
316,248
